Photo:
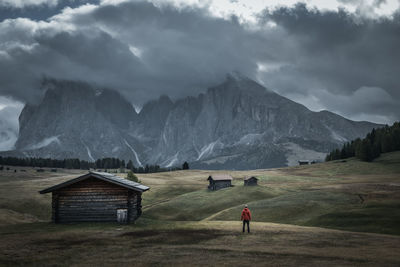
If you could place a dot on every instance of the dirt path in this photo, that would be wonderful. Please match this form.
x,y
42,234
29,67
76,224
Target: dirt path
x,y
210,218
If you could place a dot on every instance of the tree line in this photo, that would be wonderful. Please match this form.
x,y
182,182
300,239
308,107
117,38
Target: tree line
x,y
381,140
75,163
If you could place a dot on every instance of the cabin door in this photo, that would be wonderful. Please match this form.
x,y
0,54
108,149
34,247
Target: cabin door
x,y
122,215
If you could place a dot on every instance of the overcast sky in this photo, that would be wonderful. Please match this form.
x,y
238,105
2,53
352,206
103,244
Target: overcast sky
x,y
341,55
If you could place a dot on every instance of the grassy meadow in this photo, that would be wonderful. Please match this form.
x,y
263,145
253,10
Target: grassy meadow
x,y
334,213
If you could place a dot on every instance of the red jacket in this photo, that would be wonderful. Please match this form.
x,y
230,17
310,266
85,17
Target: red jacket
x,y
246,215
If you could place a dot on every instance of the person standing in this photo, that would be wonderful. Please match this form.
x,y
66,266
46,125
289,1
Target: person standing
x,y
246,218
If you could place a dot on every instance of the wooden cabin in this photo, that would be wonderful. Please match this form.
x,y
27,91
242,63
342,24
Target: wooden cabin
x,y
219,181
250,181
304,162
96,197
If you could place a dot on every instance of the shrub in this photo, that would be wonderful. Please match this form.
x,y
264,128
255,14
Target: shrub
x,y
132,177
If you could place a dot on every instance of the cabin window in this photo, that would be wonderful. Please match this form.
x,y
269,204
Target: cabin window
x,y
122,215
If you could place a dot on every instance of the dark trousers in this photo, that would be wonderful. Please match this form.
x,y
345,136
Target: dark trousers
x,y
248,225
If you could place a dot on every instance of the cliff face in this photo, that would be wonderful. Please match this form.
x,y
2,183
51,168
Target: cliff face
x,y
75,120
238,124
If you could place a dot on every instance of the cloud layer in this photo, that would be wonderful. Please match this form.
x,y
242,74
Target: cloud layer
x,y
326,60
347,63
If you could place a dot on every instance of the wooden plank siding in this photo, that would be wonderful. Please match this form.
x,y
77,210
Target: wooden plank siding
x,y
251,181
219,181
94,200
217,185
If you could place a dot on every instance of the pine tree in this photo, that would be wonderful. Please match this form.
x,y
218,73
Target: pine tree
x,y
185,166
343,152
328,157
130,166
132,177
364,150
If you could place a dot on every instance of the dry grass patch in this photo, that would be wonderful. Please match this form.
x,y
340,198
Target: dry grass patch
x,y
195,244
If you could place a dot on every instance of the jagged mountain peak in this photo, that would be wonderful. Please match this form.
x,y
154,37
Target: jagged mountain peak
x,y
165,99
74,120
238,83
160,105
66,86
236,76
238,124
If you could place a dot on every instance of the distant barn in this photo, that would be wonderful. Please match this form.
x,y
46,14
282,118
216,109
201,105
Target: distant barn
x,y
96,197
250,181
304,162
219,181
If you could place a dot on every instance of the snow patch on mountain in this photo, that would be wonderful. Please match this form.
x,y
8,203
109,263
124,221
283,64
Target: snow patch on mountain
x,y
222,159
249,139
208,149
134,152
173,161
45,142
164,138
89,154
98,92
336,136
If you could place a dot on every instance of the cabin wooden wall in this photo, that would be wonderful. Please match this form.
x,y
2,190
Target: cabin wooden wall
x,y
134,205
250,182
216,185
94,200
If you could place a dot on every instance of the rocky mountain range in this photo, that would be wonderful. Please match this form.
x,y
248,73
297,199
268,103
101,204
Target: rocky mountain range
x,y
237,124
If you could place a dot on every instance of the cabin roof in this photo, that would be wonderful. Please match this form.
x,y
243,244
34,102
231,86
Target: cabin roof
x,y
220,177
107,177
250,177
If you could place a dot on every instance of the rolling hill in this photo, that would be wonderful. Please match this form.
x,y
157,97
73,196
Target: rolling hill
x,y
196,226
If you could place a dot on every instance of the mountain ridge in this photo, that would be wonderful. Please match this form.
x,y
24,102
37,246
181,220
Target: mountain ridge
x,y
237,124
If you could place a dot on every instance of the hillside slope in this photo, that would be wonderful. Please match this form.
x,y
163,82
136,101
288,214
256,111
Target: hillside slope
x,y
181,218
351,195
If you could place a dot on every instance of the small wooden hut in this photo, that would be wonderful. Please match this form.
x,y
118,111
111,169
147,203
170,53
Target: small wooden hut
x,y
219,181
96,196
304,162
250,181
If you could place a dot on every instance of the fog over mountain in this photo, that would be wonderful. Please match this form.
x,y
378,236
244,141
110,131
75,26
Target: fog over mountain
x,y
340,56
335,55
237,124
8,127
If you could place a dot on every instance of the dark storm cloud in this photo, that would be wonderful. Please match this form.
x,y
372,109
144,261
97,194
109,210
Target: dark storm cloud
x,y
135,47
326,60
94,56
183,50
342,55
40,10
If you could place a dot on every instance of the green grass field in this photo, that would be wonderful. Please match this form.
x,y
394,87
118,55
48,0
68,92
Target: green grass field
x,y
350,195
294,210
